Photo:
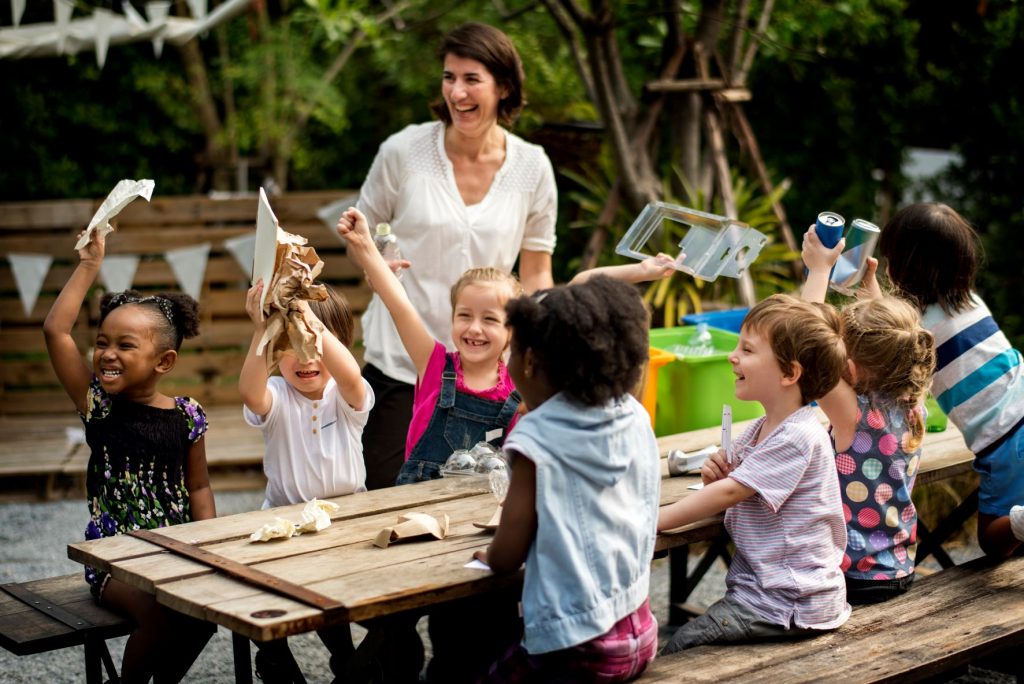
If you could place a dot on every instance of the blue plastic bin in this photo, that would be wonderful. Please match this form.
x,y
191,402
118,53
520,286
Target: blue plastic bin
x,y
730,319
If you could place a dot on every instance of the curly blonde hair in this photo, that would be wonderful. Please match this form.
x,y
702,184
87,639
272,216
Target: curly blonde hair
x,y
894,355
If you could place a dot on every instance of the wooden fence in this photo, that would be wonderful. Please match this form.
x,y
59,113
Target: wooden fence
x,y
208,365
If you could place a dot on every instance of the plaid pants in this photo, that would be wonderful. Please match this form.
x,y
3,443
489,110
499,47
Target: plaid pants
x,y
619,655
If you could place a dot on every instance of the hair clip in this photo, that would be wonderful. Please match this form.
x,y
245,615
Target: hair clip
x,y
162,303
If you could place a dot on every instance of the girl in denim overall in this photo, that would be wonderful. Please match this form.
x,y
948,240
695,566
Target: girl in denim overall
x,y
461,398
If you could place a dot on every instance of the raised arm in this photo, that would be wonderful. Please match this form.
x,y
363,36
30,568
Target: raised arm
x,y
342,366
72,371
252,382
416,339
819,261
651,268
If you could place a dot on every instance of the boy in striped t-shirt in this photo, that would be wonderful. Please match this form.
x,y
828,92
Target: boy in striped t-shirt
x,y
932,258
777,485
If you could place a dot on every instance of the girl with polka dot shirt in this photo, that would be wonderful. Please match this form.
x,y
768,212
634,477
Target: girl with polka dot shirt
x,y
877,419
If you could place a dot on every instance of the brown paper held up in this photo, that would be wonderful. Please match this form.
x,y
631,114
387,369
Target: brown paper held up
x,y
413,526
296,267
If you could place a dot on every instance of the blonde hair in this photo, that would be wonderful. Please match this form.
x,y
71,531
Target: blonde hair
x,y
894,355
803,333
486,275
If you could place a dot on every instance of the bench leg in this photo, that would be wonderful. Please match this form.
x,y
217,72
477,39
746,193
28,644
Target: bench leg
x,y
240,653
98,657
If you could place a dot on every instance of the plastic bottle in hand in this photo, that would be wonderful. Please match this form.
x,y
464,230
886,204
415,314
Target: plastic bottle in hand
x,y
387,245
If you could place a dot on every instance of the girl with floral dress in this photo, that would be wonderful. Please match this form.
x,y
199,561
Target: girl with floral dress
x,y
147,467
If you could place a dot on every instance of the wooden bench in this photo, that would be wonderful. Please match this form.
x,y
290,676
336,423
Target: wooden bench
x,y
943,623
55,613
32,444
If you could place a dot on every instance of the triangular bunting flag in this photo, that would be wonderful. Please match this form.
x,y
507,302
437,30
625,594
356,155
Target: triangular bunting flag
x,y
243,248
17,9
62,10
198,8
118,272
103,20
189,266
330,213
157,12
29,273
133,17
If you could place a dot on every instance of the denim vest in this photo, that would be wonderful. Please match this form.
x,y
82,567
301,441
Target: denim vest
x,y
459,421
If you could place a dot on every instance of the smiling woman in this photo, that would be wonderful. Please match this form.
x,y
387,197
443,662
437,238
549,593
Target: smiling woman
x,y
459,193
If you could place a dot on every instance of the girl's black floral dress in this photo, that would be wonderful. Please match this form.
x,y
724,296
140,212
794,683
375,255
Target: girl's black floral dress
x,y
136,475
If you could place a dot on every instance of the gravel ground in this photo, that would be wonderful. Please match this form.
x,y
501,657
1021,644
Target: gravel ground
x,y
34,539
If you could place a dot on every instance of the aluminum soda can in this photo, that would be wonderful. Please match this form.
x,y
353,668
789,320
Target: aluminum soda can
x,y
861,239
829,228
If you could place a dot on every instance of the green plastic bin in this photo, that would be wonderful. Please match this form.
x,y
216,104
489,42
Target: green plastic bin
x,y
692,389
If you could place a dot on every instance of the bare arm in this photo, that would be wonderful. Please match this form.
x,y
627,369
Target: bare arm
x,y
342,366
713,499
252,381
67,361
197,481
535,271
652,268
518,525
819,261
416,339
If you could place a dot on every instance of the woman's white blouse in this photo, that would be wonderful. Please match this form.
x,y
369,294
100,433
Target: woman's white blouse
x,y
412,186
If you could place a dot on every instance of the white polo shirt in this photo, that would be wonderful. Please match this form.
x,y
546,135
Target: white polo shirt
x,y
313,447
412,186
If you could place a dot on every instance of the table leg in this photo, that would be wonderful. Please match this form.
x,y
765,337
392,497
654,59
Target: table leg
x,y
240,652
930,542
682,583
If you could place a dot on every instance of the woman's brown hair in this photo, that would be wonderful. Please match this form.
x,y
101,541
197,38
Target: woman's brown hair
x,y
494,50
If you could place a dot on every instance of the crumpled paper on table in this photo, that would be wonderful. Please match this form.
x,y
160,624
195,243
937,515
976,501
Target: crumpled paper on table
x,y
413,526
120,197
296,267
315,517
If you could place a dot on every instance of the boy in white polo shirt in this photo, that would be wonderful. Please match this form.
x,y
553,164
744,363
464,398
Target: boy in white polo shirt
x,y
777,485
312,418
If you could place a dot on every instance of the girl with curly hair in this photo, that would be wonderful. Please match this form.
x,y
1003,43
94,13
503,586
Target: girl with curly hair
x,y
147,467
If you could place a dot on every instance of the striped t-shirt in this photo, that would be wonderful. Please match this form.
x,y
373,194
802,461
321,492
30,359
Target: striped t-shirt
x,y
791,535
978,379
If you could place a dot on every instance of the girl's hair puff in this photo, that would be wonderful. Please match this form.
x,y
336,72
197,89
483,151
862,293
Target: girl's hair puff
x,y
335,314
175,315
486,274
895,356
932,256
804,333
589,340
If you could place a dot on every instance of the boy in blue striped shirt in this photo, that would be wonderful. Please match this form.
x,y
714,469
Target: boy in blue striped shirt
x,y
932,255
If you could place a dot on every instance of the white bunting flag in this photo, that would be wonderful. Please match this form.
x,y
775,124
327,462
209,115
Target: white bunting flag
x,y
157,13
17,9
243,248
198,8
29,273
103,20
133,17
62,10
117,272
189,266
330,213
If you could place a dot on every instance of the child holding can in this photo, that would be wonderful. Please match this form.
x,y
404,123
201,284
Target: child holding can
x,y
932,258
877,424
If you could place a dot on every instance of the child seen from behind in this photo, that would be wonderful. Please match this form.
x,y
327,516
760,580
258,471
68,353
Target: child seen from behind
x,y
312,417
147,463
877,418
777,486
932,256
582,502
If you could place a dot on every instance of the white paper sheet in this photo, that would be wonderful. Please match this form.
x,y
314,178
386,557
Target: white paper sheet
x,y
120,197
265,251
477,565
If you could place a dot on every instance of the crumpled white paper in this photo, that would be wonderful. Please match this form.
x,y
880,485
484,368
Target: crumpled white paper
x,y
316,516
120,197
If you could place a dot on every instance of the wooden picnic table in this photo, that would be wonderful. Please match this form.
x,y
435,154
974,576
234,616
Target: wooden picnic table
x,y
352,579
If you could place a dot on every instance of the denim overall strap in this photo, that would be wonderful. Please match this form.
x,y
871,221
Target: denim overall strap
x,y
459,421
